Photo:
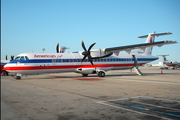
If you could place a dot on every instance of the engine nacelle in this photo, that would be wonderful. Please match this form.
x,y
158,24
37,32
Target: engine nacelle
x,y
86,70
97,53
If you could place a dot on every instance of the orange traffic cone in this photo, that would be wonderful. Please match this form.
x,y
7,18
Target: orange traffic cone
x,y
161,71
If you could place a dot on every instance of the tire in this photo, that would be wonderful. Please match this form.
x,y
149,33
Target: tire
x,y
101,74
85,75
7,73
18,77
4,74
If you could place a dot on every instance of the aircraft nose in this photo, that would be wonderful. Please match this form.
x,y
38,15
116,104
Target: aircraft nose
x,y
157,58
5,67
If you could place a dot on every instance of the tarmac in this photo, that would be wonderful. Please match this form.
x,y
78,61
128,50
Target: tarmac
x,y
120,95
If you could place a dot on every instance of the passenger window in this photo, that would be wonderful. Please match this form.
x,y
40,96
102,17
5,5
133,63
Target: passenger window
x,y
53,60
22,58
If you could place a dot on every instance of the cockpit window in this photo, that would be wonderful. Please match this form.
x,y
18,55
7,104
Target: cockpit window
x,y
26,58
22,58
17,58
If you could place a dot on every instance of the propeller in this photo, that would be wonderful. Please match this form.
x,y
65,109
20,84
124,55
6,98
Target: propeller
x,y
6,57
87,53
12,57
57,48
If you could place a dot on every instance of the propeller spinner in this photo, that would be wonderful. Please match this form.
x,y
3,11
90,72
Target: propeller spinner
x,y
87,53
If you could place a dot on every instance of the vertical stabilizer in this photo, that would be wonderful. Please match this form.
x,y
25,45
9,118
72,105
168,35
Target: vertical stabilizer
x,y
164,57
150,39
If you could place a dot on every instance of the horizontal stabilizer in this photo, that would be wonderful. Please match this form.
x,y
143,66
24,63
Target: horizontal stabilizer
x,y
154,34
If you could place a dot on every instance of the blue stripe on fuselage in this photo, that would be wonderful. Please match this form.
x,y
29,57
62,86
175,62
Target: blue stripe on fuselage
x,y
79,60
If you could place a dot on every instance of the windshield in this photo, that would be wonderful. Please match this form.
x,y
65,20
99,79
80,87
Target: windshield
x,y
17,58
22,58
26,58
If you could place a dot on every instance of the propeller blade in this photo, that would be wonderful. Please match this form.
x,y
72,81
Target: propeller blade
x,y
83,46
6,57
89,57
83,58
91,47
103,56
57,48
87,53
12,57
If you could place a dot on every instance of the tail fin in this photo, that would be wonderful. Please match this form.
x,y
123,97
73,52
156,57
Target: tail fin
x,y
164,57
150,39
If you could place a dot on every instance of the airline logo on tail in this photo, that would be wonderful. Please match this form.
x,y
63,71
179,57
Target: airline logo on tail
x,y
150,39
165,58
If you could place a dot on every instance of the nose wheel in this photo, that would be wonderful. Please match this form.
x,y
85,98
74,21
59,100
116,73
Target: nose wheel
x,y
18,76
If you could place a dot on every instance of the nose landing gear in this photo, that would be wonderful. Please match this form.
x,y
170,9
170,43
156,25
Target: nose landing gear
x,y
18,76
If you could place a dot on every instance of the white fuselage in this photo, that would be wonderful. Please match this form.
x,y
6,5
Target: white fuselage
x,y
29,63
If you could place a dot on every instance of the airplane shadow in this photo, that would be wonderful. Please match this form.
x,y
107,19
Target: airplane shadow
x,y
143,74
94,76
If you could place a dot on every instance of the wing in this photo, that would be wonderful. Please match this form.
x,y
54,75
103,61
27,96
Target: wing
x,y
143,46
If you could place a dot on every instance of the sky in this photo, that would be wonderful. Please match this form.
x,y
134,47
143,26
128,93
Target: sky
x,y
28,25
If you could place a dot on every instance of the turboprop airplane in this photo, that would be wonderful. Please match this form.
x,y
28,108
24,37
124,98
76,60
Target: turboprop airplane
x,y
96,61
174,64
3,62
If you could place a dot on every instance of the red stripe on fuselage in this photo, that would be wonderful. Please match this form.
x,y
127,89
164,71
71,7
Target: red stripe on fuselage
x,y
171,65
68,66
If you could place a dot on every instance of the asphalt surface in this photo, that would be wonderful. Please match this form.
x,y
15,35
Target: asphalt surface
x,y
120,95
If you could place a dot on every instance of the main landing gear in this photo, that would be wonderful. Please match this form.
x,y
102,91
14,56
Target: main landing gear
x,y
99,73
85,75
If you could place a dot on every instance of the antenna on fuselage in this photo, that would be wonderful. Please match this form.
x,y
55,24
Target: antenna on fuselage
x,y
43,49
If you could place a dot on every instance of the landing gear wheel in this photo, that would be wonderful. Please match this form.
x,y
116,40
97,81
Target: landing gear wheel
x,y
7,73
101,74
18,77
3,74
85,75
